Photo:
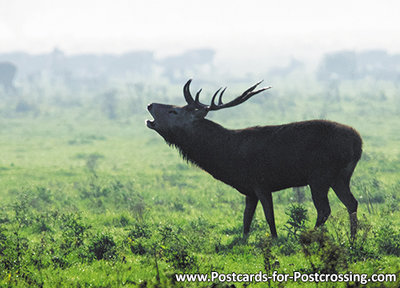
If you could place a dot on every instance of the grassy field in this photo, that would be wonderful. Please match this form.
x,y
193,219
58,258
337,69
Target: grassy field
x,y
89,197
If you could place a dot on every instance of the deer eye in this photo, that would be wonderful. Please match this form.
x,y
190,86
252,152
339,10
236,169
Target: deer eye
x,y
172,112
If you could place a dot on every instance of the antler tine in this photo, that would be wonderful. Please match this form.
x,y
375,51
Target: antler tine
x,y
242,98
252,87
198,96
186,93
213,105
256,92
192,103
220,96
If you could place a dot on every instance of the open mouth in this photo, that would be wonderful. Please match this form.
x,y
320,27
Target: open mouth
x,y
151,124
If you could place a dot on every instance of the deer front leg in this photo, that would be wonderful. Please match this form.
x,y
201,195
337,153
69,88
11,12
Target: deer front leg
x,y
266,200
353,225
251,205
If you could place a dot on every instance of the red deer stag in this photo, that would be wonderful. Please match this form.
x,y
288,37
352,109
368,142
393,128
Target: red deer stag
x,y
260,160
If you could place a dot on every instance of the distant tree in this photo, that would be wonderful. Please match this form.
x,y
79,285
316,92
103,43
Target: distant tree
x,y
109,104
379,65
7,74
338,66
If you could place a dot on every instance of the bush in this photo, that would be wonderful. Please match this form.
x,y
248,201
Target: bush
x,y
178,255
73,230
289,247
323,254
270,259
175,248
138,246
297,220
121,221
388,240
138,239
361,247
13,252
140,230
103,246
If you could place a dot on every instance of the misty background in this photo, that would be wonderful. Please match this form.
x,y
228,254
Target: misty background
x,y
61,53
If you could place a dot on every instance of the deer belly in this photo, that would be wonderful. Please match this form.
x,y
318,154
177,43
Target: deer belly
x,y
279,180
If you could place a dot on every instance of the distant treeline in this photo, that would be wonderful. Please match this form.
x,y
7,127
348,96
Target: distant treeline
x,y
97,66
348,65
87,68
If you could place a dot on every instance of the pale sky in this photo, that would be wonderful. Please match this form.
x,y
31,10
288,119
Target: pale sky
x,y
252,30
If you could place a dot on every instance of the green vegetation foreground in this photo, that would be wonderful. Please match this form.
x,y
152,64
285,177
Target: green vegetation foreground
x,y
91,198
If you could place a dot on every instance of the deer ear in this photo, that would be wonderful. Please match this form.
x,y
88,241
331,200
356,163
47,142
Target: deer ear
x,y
200,113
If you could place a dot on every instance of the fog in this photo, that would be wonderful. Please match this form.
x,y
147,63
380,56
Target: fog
x,y
247,36
70,50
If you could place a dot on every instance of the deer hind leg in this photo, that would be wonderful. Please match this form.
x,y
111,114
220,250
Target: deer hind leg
x,y
342,190
265,198
319,193
251,205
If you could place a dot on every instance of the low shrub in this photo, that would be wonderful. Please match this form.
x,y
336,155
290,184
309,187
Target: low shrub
x,y
102,247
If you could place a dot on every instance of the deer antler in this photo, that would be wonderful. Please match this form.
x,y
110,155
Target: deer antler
x,y
195,103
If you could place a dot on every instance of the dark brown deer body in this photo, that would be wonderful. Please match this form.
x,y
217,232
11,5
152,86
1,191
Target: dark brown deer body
x,y
260,160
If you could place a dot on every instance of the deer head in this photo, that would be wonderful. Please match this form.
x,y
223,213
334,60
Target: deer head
x,y
170,117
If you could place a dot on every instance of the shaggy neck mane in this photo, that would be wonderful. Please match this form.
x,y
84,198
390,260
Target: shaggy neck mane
x,y
205,144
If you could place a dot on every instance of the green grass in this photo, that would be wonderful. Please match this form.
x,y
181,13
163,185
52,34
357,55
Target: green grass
x,y
87,201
